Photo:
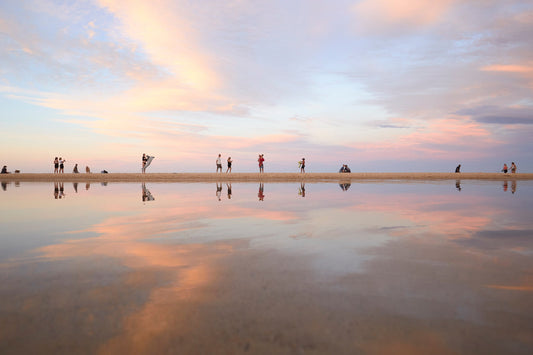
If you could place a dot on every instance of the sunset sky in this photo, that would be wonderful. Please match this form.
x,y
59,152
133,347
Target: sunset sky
x,y
382,85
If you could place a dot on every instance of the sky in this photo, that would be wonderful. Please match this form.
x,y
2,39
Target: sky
x,y
380,85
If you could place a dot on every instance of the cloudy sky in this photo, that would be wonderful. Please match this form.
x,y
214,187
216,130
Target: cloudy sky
x,y
383,85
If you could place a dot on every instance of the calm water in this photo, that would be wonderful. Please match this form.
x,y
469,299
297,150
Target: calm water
x,y
372,268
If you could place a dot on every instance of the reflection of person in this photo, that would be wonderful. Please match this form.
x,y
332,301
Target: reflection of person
x,y
228,185
505,185
144,195
261,161
301,191
144,160
4,185
513,168
345,186
75,170
56,190
458,169
219,163
87,186
62,165
513,186
261,194
56,165
458,185
302,165
61,190
505,168
229,165
75,186
219,190
4,170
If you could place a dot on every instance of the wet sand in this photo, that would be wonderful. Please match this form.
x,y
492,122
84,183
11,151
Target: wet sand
x,y
252,177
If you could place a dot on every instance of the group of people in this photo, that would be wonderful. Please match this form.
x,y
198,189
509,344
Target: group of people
x,y
219,164
59,165
344,169
506,169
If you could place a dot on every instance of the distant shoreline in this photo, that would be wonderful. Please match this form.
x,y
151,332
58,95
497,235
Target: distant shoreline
x,y
256,177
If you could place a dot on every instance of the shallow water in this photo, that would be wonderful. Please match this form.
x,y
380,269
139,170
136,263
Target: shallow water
x,y
374,267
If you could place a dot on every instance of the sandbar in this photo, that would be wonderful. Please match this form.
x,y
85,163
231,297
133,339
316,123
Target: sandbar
x,y
256,177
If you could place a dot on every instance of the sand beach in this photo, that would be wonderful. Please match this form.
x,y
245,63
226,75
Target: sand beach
x,y
252,177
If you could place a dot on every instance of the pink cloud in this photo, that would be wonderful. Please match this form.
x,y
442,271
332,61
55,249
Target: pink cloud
x,y
387,15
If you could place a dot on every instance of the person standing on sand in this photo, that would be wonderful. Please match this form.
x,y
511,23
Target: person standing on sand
x,y
75,170
513,168
505,168
261,161
229,165
302,165
219,163
144,160
56,165
62,165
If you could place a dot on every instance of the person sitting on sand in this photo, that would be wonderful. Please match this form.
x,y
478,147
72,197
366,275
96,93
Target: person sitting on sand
x,y
75,170
505,169
4,170
458,169
513,168
344,169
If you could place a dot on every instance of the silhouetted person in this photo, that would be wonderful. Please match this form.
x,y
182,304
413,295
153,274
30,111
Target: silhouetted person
x,y
458,169
75,170
4,170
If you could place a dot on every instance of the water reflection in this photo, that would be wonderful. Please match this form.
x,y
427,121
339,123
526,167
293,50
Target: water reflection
x,y
146,195
458,185
261,193
301,190
344,186
228,186
384,268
